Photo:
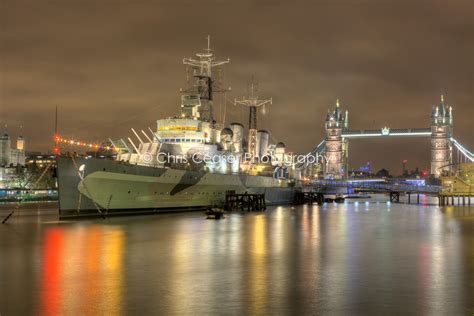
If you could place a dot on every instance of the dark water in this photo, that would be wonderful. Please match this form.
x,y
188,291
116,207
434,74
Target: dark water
x,y
350,259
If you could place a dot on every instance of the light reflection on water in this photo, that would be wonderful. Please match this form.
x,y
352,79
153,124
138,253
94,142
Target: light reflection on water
x,y
351,258
81,268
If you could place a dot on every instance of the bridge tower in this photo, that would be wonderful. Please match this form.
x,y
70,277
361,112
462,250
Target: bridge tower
x,y
441,132
336,147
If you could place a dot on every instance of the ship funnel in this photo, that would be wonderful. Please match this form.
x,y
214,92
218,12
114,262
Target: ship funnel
x,y
226,139
237,136
262,142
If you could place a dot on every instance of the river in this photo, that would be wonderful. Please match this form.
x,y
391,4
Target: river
x,y
374,258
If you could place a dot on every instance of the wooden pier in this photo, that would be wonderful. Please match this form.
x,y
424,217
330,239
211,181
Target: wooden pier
x,y
308,197
417,197
455,199
245,201
394,196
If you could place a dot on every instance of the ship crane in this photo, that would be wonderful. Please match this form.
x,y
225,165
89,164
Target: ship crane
x,y
253,102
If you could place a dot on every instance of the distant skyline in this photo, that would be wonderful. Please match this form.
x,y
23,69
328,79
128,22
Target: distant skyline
x,y
113,65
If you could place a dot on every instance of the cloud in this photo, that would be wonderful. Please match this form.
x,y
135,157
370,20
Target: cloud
x,y
103,62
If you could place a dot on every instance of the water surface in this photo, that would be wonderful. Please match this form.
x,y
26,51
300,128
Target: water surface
x,y
353,258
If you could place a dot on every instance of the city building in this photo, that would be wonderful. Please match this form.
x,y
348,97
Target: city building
x,y
441,133
38,159
11,156
12,160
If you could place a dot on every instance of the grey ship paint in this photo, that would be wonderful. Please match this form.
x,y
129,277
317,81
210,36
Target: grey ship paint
x,y
140,181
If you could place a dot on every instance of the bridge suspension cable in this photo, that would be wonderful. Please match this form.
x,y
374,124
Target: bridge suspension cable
x,y
467,154
317,151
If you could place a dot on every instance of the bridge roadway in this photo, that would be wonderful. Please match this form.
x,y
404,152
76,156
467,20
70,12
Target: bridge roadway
x,y
343,186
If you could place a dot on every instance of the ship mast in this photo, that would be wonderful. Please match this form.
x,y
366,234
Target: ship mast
x,y
253,102
202,71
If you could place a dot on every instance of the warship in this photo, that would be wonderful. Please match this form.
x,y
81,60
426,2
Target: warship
x,y
188,162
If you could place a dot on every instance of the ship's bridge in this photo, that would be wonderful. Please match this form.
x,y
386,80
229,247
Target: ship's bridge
x,y
177,124
180,130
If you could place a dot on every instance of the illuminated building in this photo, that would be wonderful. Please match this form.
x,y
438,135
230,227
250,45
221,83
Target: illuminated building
x,y
336,145
10,158
39,159
441,132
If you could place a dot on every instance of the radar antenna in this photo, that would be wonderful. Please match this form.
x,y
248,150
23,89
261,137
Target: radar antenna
x,y
202,71
253,102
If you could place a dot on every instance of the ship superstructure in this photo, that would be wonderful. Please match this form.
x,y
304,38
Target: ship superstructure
x,y
193,140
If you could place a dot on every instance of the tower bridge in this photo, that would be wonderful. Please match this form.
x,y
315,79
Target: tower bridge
x,y
335,153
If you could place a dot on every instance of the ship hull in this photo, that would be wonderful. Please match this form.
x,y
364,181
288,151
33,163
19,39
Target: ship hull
x,y
89,185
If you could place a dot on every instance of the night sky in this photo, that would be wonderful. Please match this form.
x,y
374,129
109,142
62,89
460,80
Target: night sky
x,y
110,65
